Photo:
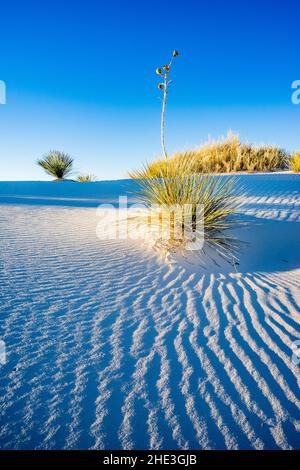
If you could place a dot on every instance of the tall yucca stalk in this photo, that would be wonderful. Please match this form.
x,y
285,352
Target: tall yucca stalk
x,y
57,164
175,187
163,72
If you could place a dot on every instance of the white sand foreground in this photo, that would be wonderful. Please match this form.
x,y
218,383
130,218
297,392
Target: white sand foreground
x,y
109,347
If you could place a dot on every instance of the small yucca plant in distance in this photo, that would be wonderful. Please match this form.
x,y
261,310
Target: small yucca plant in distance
x,y
164,72
176,187
88,178
57,164
295,163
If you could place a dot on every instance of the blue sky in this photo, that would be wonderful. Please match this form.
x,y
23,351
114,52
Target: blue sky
x,y
80,77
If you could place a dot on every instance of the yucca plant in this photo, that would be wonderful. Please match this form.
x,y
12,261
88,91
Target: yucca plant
x,y
189,208
295,163
88,178
57,164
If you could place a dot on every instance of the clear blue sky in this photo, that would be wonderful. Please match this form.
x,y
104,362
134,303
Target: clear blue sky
x,y
80,77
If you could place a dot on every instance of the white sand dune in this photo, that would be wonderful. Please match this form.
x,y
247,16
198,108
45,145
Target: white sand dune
x,y
110,347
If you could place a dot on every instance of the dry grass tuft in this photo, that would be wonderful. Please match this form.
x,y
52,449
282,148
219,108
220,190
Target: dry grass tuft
x,y
295,163
227,156
86,178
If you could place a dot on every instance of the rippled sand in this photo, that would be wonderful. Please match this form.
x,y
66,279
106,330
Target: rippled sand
x,y
110,347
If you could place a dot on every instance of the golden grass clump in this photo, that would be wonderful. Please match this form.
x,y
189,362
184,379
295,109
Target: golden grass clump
x,y
195,211
228,156
295,163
